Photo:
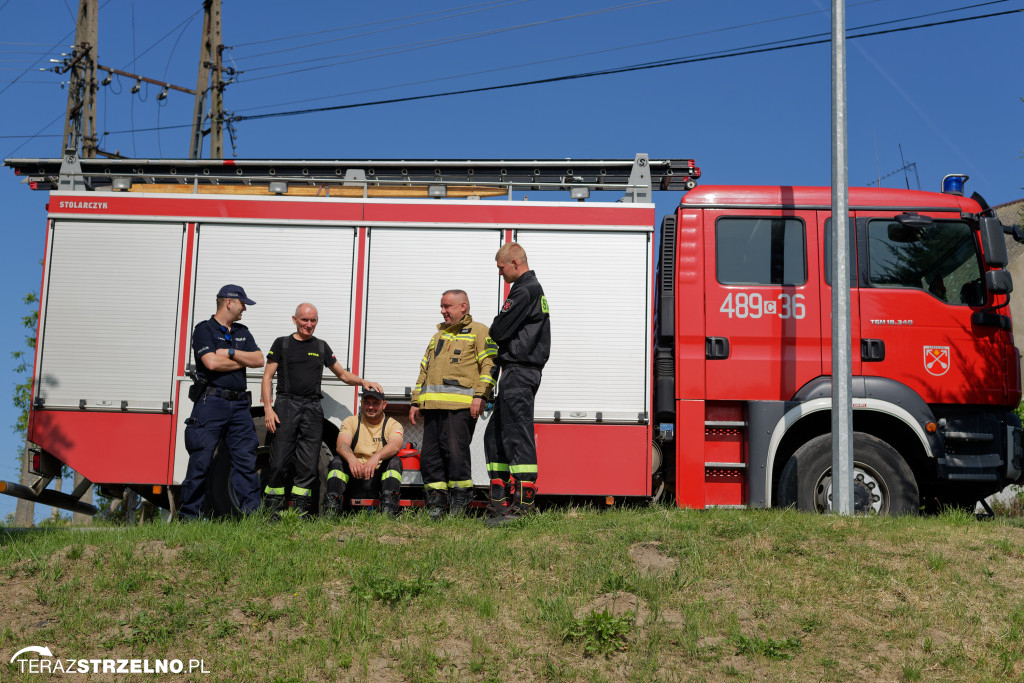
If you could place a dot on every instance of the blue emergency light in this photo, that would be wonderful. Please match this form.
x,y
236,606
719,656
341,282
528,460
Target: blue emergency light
x,y
954,184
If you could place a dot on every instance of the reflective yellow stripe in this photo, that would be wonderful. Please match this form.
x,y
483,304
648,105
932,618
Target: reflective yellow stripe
x,y
463,484
274,492
391,474
423,362
337,474
449,337
466,337
453,398
437,485
523,469
486,353
487,379
296,491
497,467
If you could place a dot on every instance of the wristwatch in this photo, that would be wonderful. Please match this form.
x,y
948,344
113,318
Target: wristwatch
x,y
231,354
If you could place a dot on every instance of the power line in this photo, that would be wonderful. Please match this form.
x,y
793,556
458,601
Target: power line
x,y
377,23
410,47
617,70
738,52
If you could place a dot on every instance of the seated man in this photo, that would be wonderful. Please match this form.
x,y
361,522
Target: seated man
x,y
366,466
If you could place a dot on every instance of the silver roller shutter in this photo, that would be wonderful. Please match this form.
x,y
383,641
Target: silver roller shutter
x,y
110,322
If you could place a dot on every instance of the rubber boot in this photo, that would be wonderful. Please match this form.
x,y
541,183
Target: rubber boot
x,y
389,503
302,505
499,493
522,507
460,499
437,503
273,505
332,505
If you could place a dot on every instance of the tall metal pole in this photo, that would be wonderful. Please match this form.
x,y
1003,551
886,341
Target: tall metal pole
x,y
217,87
842,381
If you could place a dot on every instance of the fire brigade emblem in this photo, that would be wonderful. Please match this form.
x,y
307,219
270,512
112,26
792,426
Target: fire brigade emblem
x,y
936,360
507,306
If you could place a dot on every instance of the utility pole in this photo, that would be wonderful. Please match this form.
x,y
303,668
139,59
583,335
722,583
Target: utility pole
x,y
210,77
80,119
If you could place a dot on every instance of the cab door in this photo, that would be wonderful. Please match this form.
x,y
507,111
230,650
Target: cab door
x,y
923,284
858,349
762,316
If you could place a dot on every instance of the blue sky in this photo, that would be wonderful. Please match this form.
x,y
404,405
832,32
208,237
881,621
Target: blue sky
x,y
948,94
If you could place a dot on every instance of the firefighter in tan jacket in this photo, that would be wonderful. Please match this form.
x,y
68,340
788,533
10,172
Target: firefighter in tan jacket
x,y
455,382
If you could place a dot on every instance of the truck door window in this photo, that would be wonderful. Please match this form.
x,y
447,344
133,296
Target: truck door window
x,y
760,251
941,259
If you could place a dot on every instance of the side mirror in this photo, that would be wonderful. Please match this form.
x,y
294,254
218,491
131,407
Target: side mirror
x,y
992,244
998,282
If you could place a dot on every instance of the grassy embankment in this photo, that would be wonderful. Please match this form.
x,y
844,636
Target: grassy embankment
x,y
641,594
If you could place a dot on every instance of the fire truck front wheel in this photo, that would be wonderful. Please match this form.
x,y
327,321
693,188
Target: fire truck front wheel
x,y
883,483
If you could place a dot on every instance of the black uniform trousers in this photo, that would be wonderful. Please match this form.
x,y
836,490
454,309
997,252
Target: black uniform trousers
x,y
445,460
387,478
508,440
214,418
297,440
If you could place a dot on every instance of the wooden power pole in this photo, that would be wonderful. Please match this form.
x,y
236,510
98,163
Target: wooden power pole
x,y
80,119
210,78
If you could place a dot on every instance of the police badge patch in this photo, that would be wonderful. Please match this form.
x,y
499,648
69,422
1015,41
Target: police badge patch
x,y
507,306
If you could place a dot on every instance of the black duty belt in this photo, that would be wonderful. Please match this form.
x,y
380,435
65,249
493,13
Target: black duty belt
x,y
229,394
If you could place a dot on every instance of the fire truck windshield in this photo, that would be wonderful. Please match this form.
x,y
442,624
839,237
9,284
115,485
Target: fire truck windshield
x,y
941,259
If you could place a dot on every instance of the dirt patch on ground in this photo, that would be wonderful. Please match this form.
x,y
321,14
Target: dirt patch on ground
x,y
157,550
617,604
73,553
650,561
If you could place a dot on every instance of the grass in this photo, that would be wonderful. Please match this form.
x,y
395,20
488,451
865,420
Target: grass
x,y
567,596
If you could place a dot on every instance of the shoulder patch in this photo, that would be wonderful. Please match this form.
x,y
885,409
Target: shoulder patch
x,y
544,304
507,306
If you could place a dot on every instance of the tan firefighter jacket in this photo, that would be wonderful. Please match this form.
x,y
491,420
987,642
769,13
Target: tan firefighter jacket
x,y
456,367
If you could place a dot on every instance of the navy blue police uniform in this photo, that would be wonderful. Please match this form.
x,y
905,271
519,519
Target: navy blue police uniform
x,y
222,412
522,331
298,436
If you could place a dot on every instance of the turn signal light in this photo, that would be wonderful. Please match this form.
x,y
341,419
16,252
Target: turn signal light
x,y
931,427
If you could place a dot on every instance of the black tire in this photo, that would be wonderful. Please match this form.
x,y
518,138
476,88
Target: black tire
x,y
883,482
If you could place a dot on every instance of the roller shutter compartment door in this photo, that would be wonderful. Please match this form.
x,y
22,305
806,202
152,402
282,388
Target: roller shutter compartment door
x,y
408,271
598,286
111,315
279,268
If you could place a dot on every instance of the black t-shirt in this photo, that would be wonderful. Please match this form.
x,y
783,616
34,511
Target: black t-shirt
x,y
304,364
209,336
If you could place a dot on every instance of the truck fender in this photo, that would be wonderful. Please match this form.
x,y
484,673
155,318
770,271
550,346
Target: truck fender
x,y
871,394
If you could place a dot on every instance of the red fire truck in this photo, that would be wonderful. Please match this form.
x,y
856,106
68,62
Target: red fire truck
x,y
695,362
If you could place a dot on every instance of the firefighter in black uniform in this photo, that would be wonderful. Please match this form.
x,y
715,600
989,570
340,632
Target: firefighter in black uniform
x,y
223,349
296,417
522,331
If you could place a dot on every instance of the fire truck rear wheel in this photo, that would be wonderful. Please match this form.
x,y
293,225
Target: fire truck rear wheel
x,y
883,483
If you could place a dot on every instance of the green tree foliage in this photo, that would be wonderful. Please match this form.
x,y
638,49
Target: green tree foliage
x,y
24,358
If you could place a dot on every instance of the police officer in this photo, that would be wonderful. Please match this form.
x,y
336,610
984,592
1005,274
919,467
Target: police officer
x,y
451,391
366,464
223,349
296,418
522,331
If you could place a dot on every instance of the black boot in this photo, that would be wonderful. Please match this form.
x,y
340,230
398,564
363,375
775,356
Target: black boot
x,y
437,503
302,505
499,494
522,507
273,504
389,503
332,505
460,499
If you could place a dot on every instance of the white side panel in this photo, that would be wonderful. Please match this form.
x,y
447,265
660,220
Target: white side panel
x,y
279,268
111,314
598,288
409,270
